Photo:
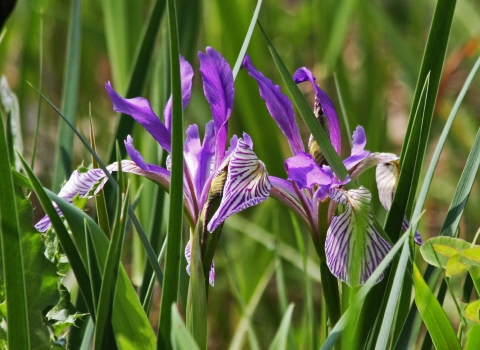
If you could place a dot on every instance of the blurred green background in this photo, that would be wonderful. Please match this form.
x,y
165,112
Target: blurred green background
x,y
373,47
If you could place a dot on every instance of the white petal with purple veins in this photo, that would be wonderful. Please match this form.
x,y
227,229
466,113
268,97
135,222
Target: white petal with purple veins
x,y
352,233
387,176
247,184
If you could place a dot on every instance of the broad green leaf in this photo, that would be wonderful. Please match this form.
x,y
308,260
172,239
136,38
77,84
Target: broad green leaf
x,y
475,274
175,220
455,266
64,144
280,340
473,338
444,247
433,315
130,323
472,312
181,339
11,250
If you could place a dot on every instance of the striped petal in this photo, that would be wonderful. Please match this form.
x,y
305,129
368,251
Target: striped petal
x,y
279,106
387,175
247,184
211,274
353,247
87,184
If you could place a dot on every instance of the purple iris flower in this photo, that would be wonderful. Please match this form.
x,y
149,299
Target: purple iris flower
x,y
235,174
311,182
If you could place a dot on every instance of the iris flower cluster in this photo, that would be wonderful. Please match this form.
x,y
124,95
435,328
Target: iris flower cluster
x,y
235,178
221,181
353,246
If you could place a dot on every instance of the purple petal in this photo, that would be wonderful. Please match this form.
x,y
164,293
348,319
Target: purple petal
x,y
186,75
198,157
416,237
305,172
279,106
211,274
134,154
358,152
247,184
303,74
218,89
139,109
351,233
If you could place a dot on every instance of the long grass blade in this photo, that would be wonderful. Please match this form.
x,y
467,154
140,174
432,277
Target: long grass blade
x,y
180,338
175,220
280,340
64,144
11,249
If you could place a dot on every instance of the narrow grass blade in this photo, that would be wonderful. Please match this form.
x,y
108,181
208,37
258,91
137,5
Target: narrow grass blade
x,y
307,113
11,249
246,41
180,338
433,315
93,269
68,245
280,340
64,149
110,272
175,220
139,71
389,314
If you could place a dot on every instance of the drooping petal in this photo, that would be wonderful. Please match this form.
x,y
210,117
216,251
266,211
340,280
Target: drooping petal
x,y
279,106
219,91
373,159
247,184
353,247
87,184
387,176
134,154
211,274
358,153
324,105
186,76
139,109
303,169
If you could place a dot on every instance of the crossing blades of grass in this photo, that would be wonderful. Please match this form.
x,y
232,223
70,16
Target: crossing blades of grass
x,y
64,144
11,250
433,315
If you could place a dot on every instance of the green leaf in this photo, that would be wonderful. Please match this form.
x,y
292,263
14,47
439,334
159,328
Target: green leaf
x,y
64,144
473,338
444,247
433,315
11,250
280,340
63,314
179,336
175,220
472,311
130,323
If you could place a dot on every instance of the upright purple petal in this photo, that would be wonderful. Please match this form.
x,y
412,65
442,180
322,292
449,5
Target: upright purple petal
x,y
186,75
247,184
303,74
305,172
279,106
218,89
358,153
198,156
140,110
